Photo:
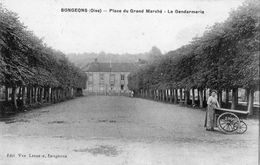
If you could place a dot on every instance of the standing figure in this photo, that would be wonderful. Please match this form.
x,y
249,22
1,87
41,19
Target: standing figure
x,y
210,113
132,93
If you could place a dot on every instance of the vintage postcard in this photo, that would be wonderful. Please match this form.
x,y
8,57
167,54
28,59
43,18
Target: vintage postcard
x,y
129,82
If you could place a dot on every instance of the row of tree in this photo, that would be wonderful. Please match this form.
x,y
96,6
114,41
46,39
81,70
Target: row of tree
x,y
30,70
225,58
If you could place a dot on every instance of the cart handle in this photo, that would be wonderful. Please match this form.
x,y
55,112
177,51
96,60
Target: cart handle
x,y
231,110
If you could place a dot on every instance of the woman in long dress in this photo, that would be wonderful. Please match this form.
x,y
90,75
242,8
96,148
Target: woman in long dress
x,y
210,114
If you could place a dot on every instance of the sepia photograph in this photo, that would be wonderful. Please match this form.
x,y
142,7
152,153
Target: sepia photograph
x,y
129,82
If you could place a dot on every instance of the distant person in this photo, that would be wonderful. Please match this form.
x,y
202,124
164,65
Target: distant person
x,y
210,113
132,93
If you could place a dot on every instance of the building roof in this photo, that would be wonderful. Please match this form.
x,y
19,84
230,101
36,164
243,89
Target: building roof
x,y
109,67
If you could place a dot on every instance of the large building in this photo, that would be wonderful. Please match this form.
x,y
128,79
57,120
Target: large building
x,y
107,78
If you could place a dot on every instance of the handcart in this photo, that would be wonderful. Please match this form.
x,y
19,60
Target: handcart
x,y
231,121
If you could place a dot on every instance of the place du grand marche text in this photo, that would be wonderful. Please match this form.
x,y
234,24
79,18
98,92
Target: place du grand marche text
x,y
148,11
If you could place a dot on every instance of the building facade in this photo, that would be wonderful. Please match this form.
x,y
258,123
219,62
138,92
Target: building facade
x,y
107,78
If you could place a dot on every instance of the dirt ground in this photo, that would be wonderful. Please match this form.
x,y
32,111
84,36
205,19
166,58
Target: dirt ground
x,y
114,130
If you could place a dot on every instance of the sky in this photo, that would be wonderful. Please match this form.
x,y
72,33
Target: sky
x,y
78,32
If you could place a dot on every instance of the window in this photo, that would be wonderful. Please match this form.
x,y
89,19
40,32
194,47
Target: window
x,y
90,87
101,86
122,87
90,79
90,76
101,76
122,77
111,86
112,79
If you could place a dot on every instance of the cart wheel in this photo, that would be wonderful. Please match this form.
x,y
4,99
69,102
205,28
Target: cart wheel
x,y
242,127
228,122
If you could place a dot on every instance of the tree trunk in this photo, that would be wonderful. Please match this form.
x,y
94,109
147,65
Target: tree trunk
x,y
227,96
220,97
19,96
175,96
250,102
166,95
163,95
45,97
234,98
35,95
46,94
205,94
32,94
6,94
247,93
171,95
193,97
62,94
24,95
51,95
185,97
56,95
59,95
14,95
41,92
30,90
201,97
180,94
188,96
